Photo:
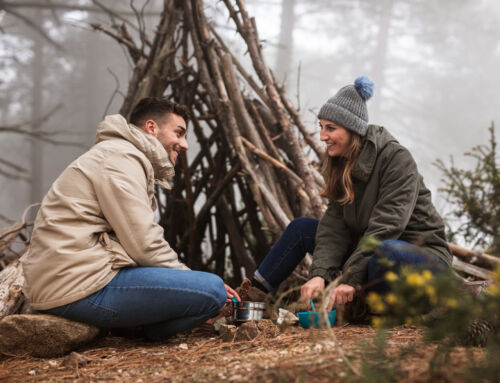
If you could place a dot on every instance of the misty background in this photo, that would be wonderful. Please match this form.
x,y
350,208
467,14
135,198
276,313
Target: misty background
x,y
435,67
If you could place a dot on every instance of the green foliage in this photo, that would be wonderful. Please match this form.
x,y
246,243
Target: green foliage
x,y
449,314
475,195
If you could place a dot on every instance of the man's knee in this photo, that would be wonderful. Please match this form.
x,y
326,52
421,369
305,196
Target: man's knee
x,y
216,288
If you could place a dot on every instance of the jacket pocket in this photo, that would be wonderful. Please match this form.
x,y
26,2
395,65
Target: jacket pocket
x,y
119,257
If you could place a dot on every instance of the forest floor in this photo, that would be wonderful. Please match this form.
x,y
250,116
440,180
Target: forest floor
x,y
295,355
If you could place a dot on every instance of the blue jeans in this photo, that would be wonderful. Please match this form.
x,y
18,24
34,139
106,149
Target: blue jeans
x,y
162,301
299,239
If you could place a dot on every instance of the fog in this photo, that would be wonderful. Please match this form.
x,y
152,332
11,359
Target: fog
x,y
435,67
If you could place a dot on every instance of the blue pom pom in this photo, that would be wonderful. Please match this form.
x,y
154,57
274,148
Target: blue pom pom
x,y
364,86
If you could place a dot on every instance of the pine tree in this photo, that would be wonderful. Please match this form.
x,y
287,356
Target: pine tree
x,y
475,195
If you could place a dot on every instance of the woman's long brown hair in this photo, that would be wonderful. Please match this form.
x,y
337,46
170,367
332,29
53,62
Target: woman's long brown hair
x,y
337,172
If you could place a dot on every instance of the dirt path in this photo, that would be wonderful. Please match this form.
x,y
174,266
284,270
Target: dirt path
x,y
201,356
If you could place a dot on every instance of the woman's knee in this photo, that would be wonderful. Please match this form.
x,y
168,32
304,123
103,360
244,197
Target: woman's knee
x,y
303,225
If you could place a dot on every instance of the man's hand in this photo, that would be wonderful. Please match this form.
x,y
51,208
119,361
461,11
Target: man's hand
x,y
341,294
231,294
312,288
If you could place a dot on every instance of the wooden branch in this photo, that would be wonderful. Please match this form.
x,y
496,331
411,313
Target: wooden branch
x,y
13,166
11,288
30,23
471,269
8,234
17,128
308,137
273,161
231,224
71,7
211,201
249,34
475,257
134,52
248,78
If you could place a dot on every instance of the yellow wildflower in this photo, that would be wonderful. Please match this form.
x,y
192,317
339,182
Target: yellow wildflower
x,y
431,293
451,303
493,290
415,279
376,322
372,297
427,275
408,321
391,298
496,274
375,302
391,276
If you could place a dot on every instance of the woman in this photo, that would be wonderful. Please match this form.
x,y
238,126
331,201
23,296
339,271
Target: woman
x,y
374,189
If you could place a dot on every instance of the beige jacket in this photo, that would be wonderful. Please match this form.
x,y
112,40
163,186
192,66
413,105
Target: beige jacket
x,y
98,217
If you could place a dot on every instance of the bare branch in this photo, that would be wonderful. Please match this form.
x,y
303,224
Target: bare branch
x,y
13,166
135,52
71,7
34,26
38,121
115,92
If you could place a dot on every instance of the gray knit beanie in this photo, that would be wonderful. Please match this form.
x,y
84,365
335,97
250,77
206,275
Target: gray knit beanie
x,y
348,107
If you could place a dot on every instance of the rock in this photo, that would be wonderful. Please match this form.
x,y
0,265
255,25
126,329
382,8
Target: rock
x,y
286,317
42,335
227,332
230,334
218,323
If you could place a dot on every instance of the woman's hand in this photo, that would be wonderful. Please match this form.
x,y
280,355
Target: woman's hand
x,y
231,294
341,294
312,288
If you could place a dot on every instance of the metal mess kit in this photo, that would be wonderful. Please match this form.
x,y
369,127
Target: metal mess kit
x,y
248,311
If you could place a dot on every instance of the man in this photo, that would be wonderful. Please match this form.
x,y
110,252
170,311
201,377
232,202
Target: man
x,y
97,256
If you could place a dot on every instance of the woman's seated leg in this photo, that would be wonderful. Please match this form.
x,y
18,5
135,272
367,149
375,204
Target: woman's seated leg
x,y
297,240
163,301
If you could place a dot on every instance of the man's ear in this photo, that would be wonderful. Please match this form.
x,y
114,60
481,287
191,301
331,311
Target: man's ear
x,y
150,127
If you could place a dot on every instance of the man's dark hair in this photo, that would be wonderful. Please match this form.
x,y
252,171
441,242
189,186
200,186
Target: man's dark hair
x,y
156,108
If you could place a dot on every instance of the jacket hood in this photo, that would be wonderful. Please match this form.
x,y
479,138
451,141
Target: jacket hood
x,y
377,138
116,127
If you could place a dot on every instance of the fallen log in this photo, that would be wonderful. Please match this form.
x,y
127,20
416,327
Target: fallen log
x,y
11,288
471,269
476,258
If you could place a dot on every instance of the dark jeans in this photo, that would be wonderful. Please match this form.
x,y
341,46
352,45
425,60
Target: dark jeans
x,y
162,301
299,239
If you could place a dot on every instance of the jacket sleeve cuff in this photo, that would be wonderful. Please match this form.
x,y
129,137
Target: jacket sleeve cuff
x,y
353,279
319,272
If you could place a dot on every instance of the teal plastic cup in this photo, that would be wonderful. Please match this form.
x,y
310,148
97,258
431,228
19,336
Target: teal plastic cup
x,y
316,319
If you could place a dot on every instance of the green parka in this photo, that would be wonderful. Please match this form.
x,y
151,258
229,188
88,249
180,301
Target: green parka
x,y
390,202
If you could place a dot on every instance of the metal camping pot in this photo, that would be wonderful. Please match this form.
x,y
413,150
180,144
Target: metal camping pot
x,y
248,311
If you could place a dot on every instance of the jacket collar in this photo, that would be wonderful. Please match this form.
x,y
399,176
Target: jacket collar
x,y
116,127
377,137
